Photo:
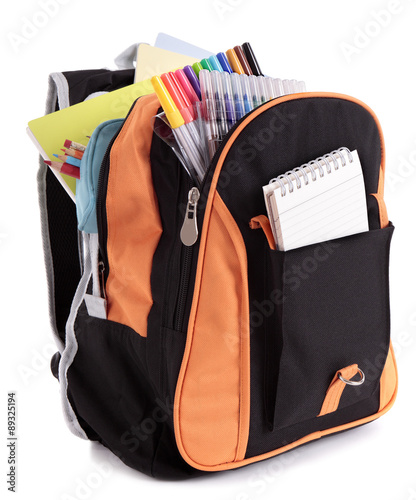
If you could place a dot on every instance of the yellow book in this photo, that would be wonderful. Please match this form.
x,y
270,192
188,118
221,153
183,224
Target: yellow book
x,y
77,122
155,61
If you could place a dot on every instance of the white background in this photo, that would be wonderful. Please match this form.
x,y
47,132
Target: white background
x,y
292,39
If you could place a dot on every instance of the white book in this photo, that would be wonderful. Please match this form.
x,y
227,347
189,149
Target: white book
x,y
319,201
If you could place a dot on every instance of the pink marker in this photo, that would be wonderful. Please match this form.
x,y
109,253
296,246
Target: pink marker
x,y
186,85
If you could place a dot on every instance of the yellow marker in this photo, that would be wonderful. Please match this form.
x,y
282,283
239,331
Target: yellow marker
x,y
234,62
169,107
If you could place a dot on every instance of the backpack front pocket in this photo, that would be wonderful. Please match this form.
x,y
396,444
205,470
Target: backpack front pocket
x,y
332,312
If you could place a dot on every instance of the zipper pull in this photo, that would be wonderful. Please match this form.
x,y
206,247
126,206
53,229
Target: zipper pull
x,y
101,269
189,231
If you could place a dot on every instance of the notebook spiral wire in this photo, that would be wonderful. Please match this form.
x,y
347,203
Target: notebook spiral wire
x,y
312,167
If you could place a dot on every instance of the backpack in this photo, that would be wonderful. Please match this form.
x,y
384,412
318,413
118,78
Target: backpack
x,y
188,358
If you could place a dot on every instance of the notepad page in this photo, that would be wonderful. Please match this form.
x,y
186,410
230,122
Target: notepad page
x,y
330,207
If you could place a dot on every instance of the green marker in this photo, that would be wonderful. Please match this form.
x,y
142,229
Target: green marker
x,y
206,64
197,68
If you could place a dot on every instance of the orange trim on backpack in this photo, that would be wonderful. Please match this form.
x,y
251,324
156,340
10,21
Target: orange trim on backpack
x,y
388,380
133,219
214,401
261,221
336,388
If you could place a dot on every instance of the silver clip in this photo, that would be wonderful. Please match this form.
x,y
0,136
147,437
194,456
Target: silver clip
x,y
189,231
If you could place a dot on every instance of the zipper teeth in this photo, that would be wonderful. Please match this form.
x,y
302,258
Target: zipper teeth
x,y
189,251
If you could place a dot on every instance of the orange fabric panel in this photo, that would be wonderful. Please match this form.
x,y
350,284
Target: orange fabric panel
x,y
388,380
134,225
212,407
336,388
263,222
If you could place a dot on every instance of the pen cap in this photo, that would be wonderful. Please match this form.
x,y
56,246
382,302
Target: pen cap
x,y
254,90
228,97
301,86
167,103
243,60
215,63
197,68
186,86
286,87
205,63
261,88
278,87
222,58
268,84
251,58
237,89
193,80
247,98
176,96
234,62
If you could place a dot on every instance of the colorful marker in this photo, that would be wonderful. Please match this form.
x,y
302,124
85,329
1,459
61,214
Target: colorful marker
x,y
186,86
192,159
215,63
234,62
222,58
251,58
197,68
193,80
243,60
206,64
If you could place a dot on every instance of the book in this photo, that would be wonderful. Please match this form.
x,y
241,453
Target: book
x,y
318,201
152,61
168,42
49,132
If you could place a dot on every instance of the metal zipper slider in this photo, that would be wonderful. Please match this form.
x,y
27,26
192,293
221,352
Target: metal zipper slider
x,y
189,231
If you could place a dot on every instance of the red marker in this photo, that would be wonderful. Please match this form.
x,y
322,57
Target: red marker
x,y
176,95
64,168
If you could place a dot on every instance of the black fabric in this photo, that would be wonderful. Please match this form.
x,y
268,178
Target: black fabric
x,y
116,401
171,186
86,82
62,221
63,240
277,140
335,313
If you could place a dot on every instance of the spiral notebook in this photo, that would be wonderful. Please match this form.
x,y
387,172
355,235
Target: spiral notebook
x,y
318,201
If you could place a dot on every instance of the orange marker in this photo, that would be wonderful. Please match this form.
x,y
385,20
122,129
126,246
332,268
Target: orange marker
x,y
234,62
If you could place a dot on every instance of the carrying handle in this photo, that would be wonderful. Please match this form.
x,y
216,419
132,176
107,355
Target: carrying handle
x,y
127,58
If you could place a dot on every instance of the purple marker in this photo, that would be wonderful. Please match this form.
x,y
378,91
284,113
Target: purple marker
x,y
193,79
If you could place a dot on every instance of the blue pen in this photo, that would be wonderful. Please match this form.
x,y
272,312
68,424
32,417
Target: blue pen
x,y
215,63
229,99
70,159
254,91
238,95
262,89
193,80
245,86
222,58
219,103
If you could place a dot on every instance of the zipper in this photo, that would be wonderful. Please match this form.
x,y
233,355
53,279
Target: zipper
x,y
189,232
101,197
